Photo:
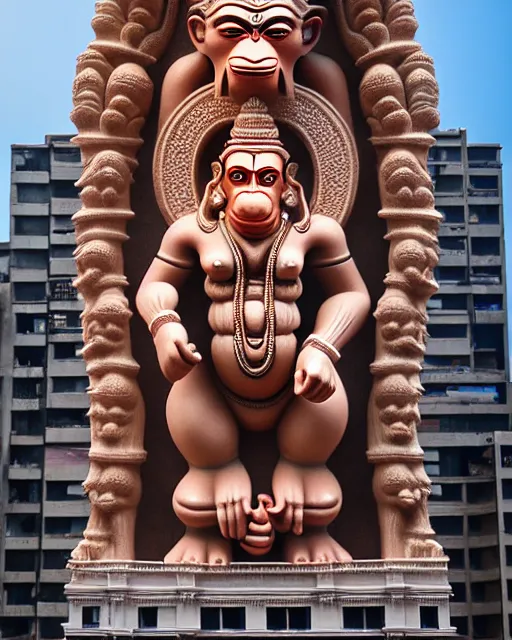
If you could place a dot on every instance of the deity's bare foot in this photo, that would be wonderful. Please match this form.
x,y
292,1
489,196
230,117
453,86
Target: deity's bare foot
x,y
315,546
200,546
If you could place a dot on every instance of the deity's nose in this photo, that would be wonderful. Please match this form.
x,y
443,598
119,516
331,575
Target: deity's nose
x,y
253,204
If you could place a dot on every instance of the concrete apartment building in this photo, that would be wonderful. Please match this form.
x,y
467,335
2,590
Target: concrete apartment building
x,y
44,433
466,407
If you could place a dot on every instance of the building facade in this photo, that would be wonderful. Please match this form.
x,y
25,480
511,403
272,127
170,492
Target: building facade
x,y
466,407
45,431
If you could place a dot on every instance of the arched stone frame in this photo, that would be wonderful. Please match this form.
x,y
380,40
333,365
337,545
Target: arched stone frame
x,y
112,94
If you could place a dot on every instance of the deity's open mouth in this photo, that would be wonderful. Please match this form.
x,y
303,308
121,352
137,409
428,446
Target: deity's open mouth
x,y
260,68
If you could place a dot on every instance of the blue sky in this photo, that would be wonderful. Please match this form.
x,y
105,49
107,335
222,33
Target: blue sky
x,y
469,40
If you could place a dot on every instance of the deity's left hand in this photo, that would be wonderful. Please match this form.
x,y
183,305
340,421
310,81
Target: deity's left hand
x,y
315,375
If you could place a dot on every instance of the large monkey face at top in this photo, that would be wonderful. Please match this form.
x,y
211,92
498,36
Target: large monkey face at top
x,y
254,44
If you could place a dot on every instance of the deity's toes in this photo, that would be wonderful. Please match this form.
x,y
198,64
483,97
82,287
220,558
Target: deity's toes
x,y
200,548
314,548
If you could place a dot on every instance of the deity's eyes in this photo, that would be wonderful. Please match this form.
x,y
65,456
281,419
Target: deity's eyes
x,y
277,31
238,176
232,31
267,178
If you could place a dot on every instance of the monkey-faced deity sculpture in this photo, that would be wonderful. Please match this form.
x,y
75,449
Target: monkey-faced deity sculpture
x,y
252,235
256,229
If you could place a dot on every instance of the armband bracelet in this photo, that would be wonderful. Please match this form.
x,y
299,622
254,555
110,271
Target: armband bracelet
x,y
322,345
161,318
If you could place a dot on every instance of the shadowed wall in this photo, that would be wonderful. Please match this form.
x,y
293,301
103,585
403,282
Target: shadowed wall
x,y
356,527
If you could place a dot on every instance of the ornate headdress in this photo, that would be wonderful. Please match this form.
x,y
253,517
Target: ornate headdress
x,y
254,129
300,8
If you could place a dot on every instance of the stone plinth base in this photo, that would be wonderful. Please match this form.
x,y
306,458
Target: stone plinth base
x,y
393,599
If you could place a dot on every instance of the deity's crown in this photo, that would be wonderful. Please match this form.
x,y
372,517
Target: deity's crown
x,y
207,7
254,129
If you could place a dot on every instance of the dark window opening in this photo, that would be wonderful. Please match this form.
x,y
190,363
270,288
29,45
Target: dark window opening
x,y
64,189
24,492
55,560
148,617
23,456
70,385
447,330
29,356
59,491
63,225
459,591
27,323
363,617
218,618
447,184
27,423
483,185
29,292
62,251
452,215
485,275
21,594
483,156
451,275
444,154
484,214
485,246
461,624
288,618
446,493
30,226
65,418
20,560
429,617
52,592
27,389
450,302
483,525
67,350
447,525
457,558
22,525
480,492
73,527
51,628
452,245
33,193
488,302
66,154
90,617
30,160
29,259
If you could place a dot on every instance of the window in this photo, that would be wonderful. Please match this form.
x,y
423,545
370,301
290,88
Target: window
x,y
52,592
55,559
27,323
30,226
444,154
447,525
62,251
22,525
24,492
452,244
28,259
70,385
27,423
63,225
447,492
19,593
484,214
90,617
485,275
447,184
452,215
485,246
288,618
63,290
451,302
486,302
429,617
67,418
59,491
51,628
486,185
451,275
30,159
461,624
29,356
363,617
29,292
148,617
65,526
482,156
66,154
457,558
447,330
216,618
20,560
67,350
27,389
33,193
64,189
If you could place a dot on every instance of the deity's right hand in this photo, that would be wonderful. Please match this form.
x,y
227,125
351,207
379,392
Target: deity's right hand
x,y
176,355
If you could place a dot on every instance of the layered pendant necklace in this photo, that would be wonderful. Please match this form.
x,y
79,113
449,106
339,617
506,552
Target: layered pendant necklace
x,y
240,341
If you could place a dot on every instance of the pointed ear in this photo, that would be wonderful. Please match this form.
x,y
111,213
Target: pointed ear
x,y
311,32
196,28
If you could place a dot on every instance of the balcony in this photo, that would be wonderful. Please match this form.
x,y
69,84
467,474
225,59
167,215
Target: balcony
x,y
26,371
67,508
65,367
26,440
23,507
490,316
30,209
68,435
29,242
22,543
25,472
65,206
28,275
448,346
63,542
30,340
452,258
61,576
63,267
52,609
30,177
26,404
18,610
26,577
68,400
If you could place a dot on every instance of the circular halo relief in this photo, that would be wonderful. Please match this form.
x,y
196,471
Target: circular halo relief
x,y
324,133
